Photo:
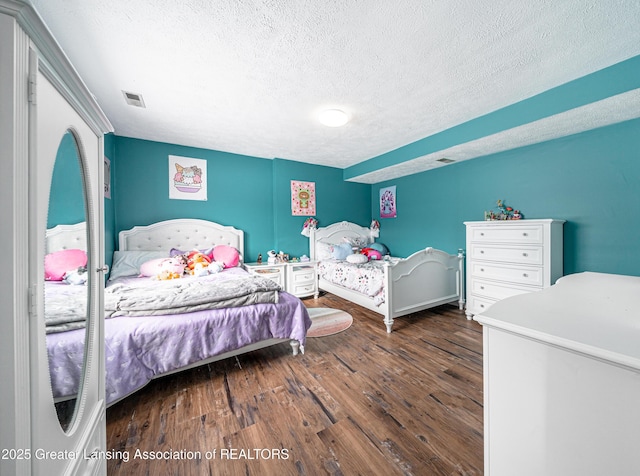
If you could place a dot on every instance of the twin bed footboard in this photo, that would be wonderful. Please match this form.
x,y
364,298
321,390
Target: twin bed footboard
x,y
426,279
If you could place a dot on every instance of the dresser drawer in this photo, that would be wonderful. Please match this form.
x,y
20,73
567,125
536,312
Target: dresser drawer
x,y
492,290
477,305
532,276
521,254
507,234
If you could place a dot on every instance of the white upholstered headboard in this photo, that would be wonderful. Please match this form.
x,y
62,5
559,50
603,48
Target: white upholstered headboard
x,y
183,233
65,237
336,233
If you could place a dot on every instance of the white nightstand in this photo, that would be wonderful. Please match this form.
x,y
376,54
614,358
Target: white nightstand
x,y
297,278
302,280
275,272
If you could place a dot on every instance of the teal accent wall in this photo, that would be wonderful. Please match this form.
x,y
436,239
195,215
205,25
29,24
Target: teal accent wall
x,y
336,200
619,78
250,193
66,198
591,179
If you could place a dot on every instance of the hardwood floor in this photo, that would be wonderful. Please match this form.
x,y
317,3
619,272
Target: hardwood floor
x,y
359,402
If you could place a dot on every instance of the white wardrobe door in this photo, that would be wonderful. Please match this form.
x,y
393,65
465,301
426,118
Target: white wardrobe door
x,y
56,450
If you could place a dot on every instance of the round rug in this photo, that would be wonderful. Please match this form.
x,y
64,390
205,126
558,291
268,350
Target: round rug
x,y
326,321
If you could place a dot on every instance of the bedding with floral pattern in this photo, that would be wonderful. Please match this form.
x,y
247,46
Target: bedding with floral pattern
x,y
366,278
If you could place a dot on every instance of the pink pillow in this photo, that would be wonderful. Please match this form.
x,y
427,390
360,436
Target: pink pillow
x,y
226,254
59,262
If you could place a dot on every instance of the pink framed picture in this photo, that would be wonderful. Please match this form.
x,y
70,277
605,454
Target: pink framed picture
x,y
303,198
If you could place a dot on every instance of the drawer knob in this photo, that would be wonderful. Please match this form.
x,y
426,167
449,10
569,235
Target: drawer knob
x,y
481,287
481,252
525,234
482,270
481,234
525,254
525,275
482,305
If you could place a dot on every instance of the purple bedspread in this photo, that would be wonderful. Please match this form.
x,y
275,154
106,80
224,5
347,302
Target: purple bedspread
x,y
138,349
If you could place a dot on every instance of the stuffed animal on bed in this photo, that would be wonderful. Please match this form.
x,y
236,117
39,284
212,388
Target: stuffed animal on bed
x,y
197,263
76,276
170,268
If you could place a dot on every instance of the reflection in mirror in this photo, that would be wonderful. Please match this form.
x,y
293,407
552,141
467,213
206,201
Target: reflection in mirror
x,y
66,295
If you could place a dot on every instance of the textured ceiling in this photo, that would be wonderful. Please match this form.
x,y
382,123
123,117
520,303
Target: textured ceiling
x,y
250,76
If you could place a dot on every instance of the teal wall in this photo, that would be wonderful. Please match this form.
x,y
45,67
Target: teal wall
x,y
336,200
66,198
249,193
591,179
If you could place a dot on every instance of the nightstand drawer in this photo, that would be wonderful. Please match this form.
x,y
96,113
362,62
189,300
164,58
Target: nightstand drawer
x,y
532,276
491,290
303,276
521,254
507,234
274,274
303,289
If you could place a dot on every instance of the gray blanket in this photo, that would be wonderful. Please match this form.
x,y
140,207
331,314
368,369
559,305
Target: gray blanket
x,y
187,295
65,307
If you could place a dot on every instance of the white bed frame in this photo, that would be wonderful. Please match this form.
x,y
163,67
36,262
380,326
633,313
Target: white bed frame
x,y
426,279
189,234
186,234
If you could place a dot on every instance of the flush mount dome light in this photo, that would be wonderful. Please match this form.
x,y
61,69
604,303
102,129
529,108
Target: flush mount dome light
x,y
333,117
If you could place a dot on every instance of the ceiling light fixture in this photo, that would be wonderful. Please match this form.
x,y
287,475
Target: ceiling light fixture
x,y
333,117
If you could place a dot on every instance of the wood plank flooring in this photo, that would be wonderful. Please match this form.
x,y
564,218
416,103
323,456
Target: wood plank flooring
x,y
359,402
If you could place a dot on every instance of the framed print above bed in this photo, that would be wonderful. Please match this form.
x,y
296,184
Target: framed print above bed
x,y
303,198
187,178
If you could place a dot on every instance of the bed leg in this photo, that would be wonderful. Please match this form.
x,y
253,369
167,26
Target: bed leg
x,y
295,347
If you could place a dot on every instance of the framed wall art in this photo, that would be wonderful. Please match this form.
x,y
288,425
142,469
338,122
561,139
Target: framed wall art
x,y
303,198
187,178
388,202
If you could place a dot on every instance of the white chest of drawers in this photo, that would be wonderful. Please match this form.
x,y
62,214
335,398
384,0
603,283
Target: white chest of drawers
x,y
506,258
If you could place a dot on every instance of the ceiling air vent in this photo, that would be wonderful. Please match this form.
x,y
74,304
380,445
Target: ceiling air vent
x,y
444,160
133,99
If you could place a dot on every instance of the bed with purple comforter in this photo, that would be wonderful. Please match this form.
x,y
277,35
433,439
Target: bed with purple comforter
x,y
140,348
154,328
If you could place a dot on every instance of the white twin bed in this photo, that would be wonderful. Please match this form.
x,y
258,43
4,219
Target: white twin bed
x,y
426,279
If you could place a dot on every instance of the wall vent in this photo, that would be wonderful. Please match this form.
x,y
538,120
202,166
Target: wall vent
x,y
133,99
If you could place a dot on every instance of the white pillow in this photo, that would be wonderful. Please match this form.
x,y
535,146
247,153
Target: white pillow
x,y
324,250
128,263
357,258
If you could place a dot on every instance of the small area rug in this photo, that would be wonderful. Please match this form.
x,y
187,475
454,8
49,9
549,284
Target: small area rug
x,y
326,321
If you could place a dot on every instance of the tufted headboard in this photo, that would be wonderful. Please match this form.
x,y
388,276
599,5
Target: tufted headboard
x,y
182,233
64,237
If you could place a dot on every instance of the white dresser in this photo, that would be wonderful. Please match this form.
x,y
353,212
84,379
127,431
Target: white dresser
x,y
562,379
511,257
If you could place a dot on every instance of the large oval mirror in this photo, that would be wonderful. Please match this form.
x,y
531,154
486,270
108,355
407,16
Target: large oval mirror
x,y
66,288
